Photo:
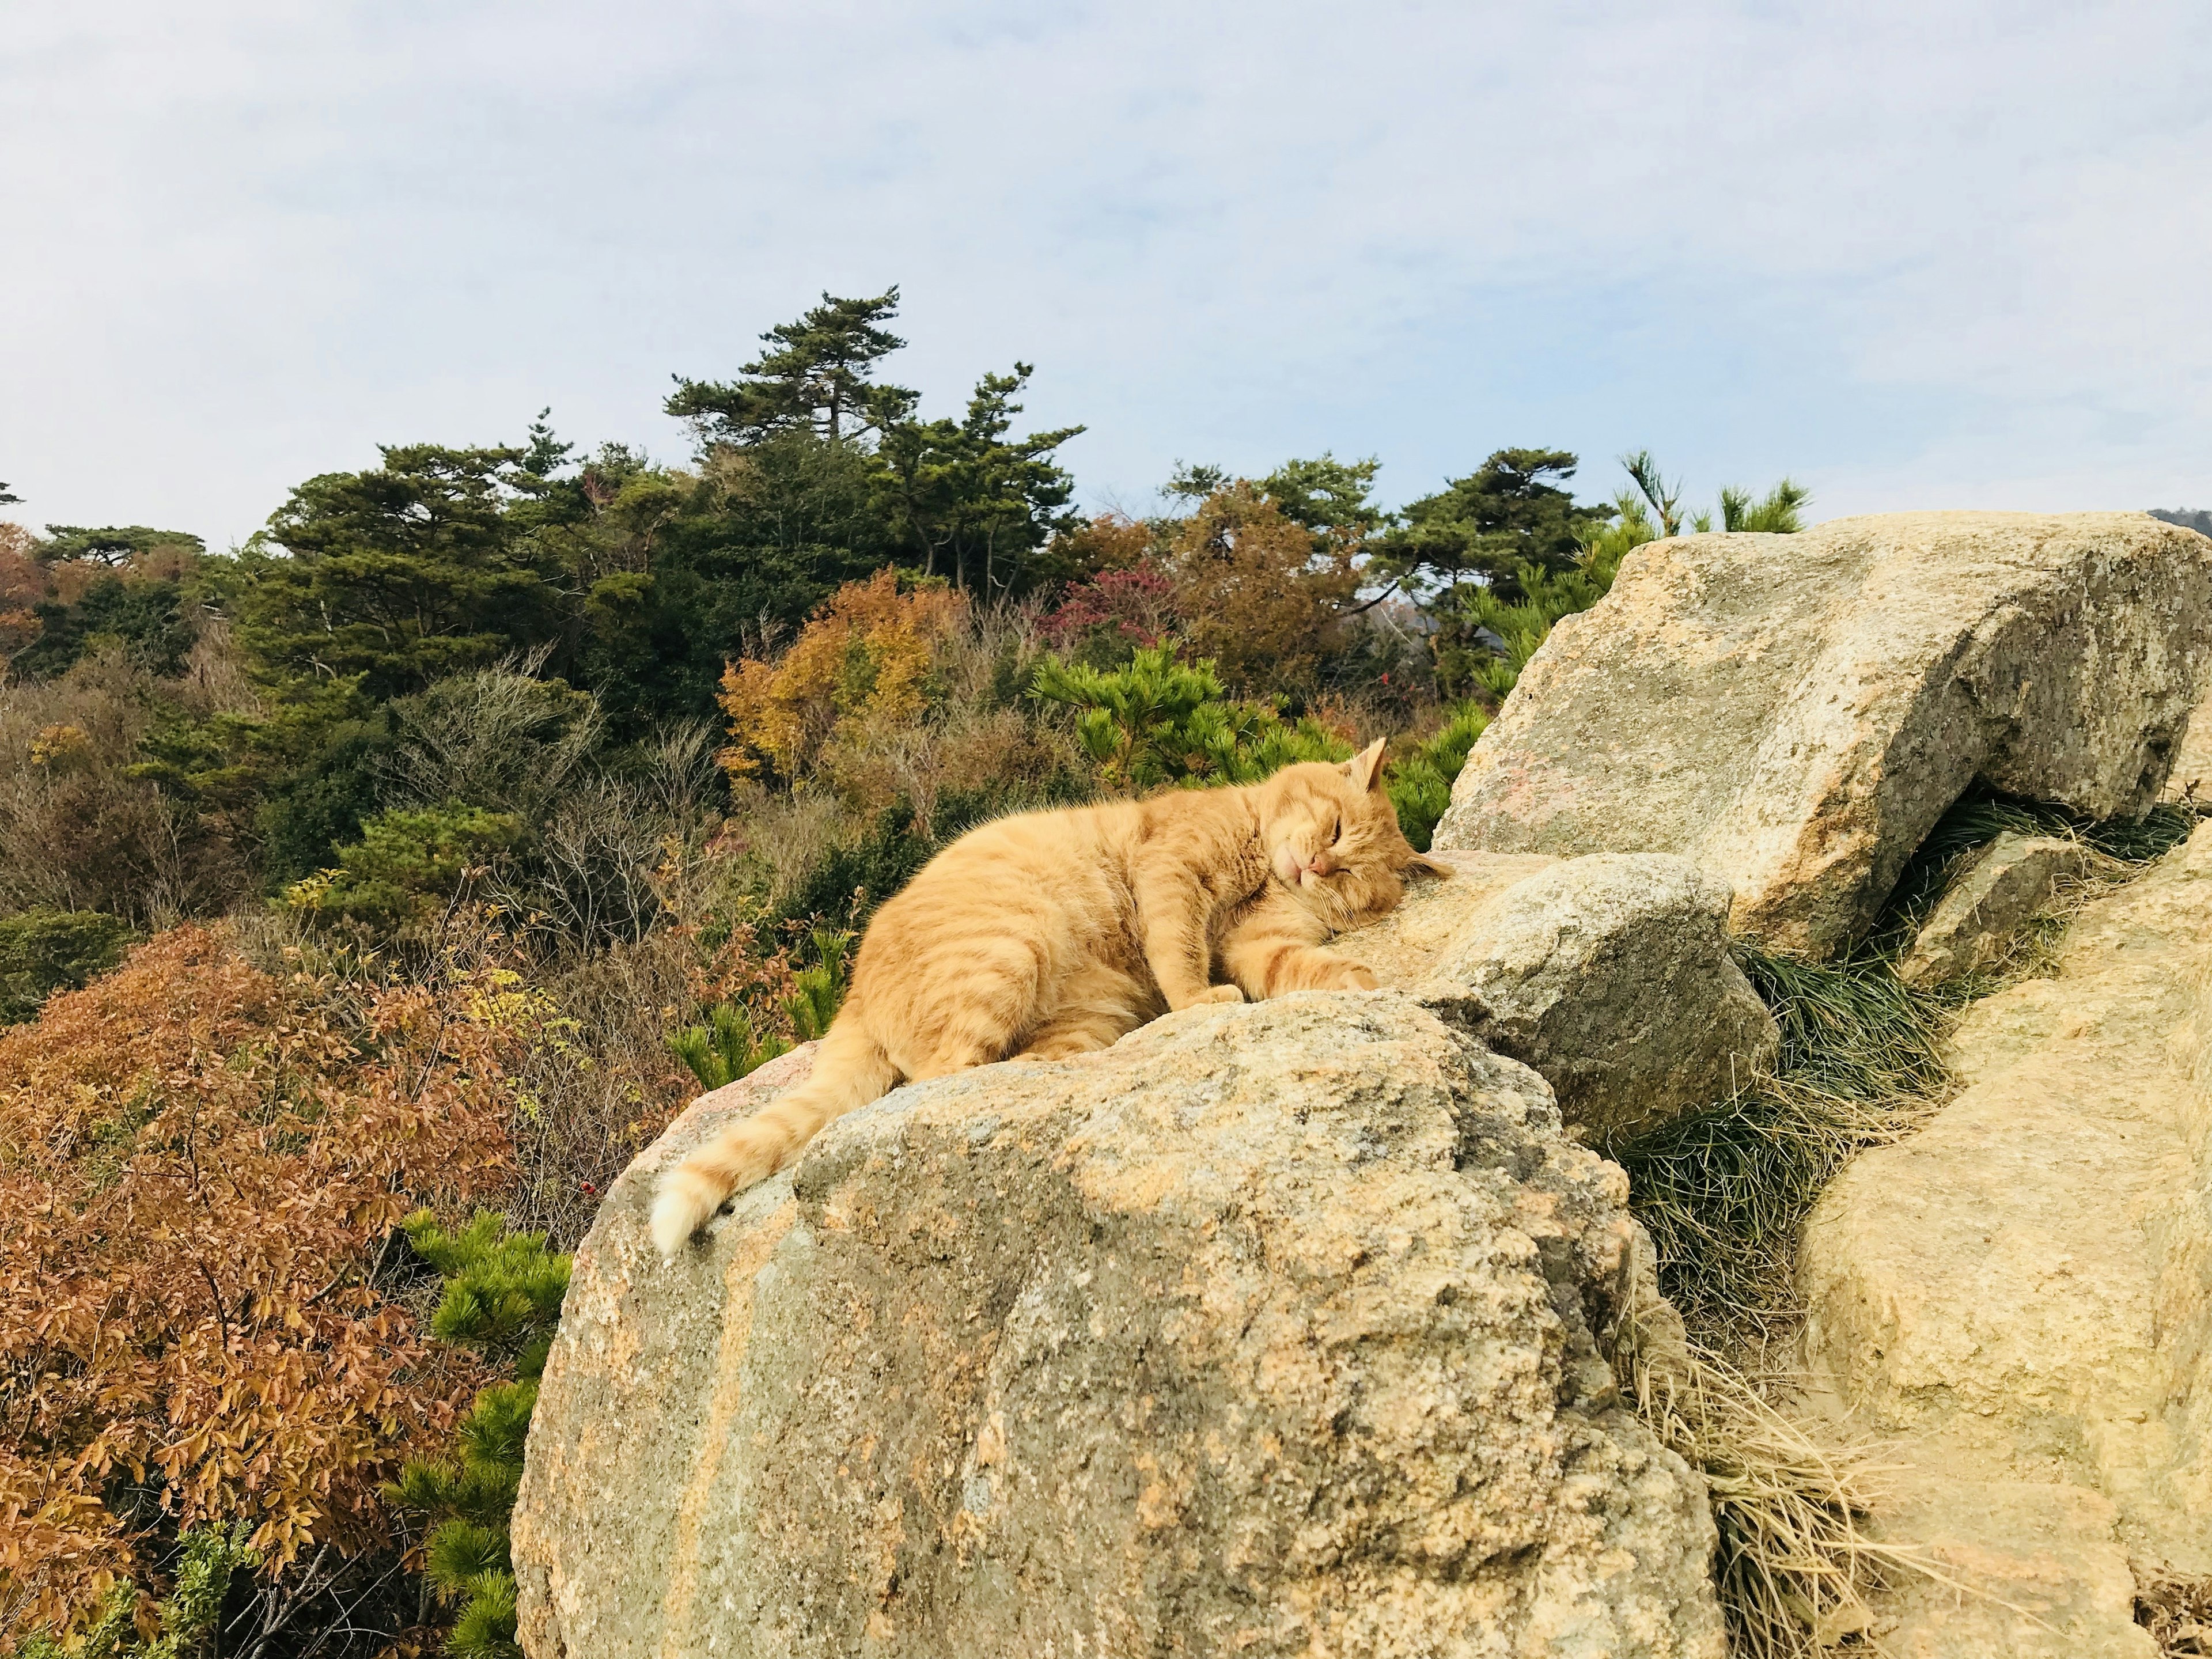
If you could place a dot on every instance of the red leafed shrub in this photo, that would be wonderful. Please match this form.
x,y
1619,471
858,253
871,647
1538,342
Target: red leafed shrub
x,y
201,1166
1137,604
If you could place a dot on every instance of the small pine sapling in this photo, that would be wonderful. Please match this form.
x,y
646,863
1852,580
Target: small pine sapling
x,y
724,1048
819,989
503,1295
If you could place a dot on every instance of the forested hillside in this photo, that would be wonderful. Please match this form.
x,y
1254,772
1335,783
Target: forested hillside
x,y
422,854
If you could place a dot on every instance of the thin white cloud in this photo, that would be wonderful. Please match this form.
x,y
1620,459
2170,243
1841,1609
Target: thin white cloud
x,y
1919,255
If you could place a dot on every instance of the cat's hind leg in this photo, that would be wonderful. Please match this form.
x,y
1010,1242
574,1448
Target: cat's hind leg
x,y
1093,1008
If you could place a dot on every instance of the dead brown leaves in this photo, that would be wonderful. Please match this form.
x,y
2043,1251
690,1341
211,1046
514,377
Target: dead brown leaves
x,y
200,1167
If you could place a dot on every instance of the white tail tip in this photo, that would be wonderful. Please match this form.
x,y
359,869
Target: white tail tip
x,y
682,1208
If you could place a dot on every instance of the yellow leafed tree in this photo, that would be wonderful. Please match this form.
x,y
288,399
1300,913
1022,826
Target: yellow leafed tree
x,y
859,667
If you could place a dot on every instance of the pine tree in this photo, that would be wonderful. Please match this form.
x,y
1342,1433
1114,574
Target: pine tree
x,y
503,1295
816,376
399,575
962,493
1507,514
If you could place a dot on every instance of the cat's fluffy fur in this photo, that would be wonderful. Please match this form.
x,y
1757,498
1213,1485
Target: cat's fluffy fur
x,y
1053,933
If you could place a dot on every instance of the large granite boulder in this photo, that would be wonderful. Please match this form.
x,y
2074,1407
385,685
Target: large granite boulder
x,y
1279,1329
1610,975
2018,1298
1794,713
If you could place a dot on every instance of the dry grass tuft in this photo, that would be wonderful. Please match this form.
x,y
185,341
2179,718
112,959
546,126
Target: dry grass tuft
x,y
1795,1570
1724,1194
2178,1613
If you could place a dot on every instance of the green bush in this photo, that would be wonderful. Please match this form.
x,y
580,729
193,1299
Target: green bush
x,y
503,1295
1420,782
1522,624
820,987
1159,720
42,951
724,1047
406,864
321,802
186,1620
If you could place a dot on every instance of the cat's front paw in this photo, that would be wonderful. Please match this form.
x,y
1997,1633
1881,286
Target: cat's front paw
x,y
1222,993
1351,976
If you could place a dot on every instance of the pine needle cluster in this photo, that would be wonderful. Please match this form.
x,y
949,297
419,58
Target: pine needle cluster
x,y
502,1296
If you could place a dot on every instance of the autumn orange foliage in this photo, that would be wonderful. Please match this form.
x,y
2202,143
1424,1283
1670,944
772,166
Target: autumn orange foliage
x,y
1261,597
861,665
200,1165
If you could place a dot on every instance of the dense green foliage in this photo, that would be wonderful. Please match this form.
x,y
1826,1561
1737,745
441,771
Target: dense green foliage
x,y
1507,515
1420,779
502,1296
496,671
404,865
42,951
1159,721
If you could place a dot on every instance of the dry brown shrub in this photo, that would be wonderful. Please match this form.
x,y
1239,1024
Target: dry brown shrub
x,y
78,830
200,1165
23,583
859,667
1260,601
970,750
1108,541
600,1082
771,842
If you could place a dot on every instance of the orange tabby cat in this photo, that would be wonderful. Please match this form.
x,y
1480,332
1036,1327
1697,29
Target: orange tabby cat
x,y
1053,933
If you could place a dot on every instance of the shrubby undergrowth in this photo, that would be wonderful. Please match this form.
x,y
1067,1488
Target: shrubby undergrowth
x,y
494,800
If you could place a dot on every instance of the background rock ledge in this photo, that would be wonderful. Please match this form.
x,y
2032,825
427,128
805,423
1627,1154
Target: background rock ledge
x,y
1273,1329
1795,713
1610,975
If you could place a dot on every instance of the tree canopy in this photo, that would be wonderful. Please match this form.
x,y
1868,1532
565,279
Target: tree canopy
x,y
816,375
1507,512
964,492
395,576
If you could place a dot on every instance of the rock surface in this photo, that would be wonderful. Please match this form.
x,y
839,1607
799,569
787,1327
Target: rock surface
x,y
2004,887
2191,780
1794,713
1609,975
2019,1297
1273,1329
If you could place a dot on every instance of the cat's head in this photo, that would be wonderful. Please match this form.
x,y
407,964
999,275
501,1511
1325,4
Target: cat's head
x,y
1333,839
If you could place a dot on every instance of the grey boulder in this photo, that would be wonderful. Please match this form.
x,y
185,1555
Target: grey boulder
x,y
1794,713
1275,1329
1611,976
1999,892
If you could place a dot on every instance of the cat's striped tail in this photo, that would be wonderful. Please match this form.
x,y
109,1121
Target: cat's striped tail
x,y
850,1069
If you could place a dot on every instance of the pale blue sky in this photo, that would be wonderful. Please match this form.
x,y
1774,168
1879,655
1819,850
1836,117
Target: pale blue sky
x,y
1920,255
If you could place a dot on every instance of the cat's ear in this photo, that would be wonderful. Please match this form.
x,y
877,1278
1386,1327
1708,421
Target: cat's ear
x,y
1365,768
1422,865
